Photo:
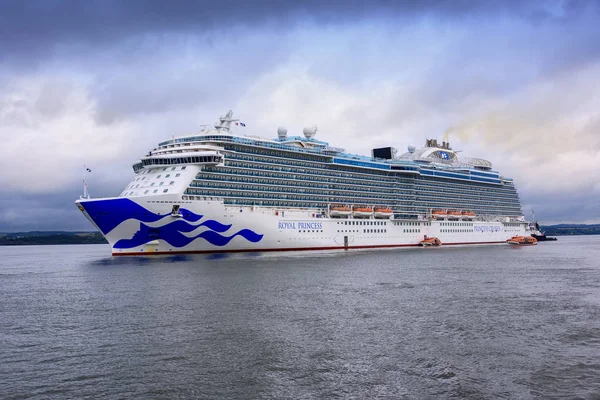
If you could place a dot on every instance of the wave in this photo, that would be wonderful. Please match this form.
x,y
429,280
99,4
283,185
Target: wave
x,y
172,234
108,214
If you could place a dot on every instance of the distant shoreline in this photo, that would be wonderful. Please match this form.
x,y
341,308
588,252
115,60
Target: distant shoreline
x,y
50,238
571,229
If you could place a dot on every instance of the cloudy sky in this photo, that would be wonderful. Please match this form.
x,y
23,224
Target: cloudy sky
x,y
102,82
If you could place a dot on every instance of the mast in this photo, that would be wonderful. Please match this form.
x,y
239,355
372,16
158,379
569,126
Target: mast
x,y
86,194
225,122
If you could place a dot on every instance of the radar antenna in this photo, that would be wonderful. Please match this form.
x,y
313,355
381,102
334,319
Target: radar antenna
x,y
224,123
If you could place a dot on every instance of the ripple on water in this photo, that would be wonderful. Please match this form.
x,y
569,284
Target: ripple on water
x,y
489,322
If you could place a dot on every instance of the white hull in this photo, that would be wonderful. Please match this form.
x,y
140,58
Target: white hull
x,y
144,225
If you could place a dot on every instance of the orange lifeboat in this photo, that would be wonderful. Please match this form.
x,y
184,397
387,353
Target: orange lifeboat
x,y
454,214
362,212
522,240
339,211
468,215
383,212
439,214
429,242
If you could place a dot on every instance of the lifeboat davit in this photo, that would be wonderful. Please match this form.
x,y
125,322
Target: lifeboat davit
x,y
439,214
454,215
468,215
362,212
340,211
383,212
432,241
522,240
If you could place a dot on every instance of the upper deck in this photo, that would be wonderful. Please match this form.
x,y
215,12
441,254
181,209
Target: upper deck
x,y
432,160
303,172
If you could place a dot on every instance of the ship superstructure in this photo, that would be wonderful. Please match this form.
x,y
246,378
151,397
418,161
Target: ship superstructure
x,y
220,191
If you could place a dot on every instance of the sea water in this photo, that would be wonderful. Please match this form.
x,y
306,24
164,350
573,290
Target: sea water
x,y
451,322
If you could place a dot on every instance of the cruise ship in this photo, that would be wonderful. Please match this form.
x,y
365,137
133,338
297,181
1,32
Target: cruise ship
x,y
221,191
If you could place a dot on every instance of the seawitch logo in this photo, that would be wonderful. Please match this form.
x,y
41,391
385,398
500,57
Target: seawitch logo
x,y
486,228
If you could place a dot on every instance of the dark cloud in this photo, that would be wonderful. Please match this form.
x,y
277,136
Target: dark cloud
x,y
21,212
41,27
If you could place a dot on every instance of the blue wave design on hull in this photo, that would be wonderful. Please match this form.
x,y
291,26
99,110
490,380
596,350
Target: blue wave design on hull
x,y
110,213
172,234
214,225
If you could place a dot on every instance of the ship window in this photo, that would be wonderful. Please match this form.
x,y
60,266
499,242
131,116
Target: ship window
x,y
167,175
155,190
165,191
158,177
171,183
182,168
152,184
160,184
146,192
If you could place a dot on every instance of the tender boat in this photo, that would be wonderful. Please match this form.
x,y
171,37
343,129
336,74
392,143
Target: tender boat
x,y
439,214
455,215
432,241
362,212
468,215
522,240
340,211
383,212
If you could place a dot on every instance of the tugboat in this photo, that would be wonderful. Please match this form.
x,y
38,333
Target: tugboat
x,y
522,240
534,227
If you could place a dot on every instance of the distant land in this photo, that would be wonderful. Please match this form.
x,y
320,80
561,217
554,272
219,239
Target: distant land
x,y
50,237
571,229
61,237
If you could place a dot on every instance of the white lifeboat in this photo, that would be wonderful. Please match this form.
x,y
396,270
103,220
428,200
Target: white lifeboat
x,y
340,211
468,215
362,212
439,214
454,215
383,212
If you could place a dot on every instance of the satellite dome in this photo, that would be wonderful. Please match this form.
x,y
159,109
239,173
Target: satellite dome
x,y
282,132
309,131
411,148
